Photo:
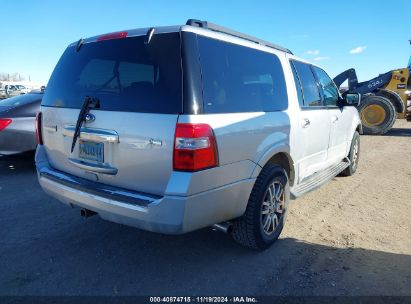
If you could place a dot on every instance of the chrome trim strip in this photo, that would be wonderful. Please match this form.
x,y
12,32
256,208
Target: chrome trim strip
x,y
98,189
50,128
98,135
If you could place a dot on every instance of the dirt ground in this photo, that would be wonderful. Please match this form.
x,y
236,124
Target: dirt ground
x,y
363,221
350,237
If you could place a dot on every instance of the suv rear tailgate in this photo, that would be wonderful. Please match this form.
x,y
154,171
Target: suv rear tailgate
x,y
127,141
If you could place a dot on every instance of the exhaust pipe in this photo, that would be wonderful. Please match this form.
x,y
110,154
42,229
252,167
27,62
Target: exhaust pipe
x,y
225,227
87,213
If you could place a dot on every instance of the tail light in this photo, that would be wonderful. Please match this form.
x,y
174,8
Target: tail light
x,y
4,122
195,147
39,133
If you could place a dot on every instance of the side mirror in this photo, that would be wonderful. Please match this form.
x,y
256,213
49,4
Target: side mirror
x,y
351,99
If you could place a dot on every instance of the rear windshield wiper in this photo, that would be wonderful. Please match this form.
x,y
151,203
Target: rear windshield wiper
x,y
88,103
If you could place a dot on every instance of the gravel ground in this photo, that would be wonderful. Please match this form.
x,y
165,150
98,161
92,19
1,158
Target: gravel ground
x,y
350,237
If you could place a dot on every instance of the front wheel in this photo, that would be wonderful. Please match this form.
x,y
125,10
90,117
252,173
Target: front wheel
x,y
264,218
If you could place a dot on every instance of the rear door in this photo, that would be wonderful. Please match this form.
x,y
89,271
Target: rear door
x,y
314,125
127,140
340,122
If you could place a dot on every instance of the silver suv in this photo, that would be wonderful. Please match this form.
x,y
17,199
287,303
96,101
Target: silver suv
x,y
172,129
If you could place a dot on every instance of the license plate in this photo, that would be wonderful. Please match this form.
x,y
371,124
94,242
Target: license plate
x,y
91,151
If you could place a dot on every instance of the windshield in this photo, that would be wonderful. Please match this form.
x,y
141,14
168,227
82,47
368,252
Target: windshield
x,y
20,100
124,74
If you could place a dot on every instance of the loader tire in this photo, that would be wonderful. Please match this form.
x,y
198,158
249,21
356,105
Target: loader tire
x,y
395,99
377,114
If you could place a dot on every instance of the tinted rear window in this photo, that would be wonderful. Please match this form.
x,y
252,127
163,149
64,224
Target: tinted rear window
x,y
125,74
20,100
240,79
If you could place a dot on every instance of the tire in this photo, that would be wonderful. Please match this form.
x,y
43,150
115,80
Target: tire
x,y
377,114
394,98
354,156
249,230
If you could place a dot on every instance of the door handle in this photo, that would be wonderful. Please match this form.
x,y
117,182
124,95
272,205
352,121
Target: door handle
x,y
334,119
305,122
52,128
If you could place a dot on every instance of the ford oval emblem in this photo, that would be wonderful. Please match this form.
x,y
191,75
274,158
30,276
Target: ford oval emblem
x,y
89,117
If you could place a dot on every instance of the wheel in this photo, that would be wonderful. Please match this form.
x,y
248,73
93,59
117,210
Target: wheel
x,y
377,113
264,218
354,156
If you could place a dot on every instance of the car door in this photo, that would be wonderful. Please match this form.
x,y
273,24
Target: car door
x,y
339,121
314,124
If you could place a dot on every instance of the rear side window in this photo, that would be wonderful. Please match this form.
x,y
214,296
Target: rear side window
x,y
240,79
125,74
308,84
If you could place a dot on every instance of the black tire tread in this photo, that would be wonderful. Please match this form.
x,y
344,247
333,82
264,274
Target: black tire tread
x,y
392,114
243,231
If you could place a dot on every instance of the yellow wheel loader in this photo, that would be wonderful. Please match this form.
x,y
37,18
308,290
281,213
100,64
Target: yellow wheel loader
x,y
384,98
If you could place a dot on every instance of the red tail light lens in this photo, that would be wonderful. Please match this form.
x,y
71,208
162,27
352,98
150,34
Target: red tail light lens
x,y
195,147
39,133
117,35
4,122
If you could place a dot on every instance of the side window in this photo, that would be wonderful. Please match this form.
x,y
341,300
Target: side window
x,y
309,85
240,79
297,85
329,90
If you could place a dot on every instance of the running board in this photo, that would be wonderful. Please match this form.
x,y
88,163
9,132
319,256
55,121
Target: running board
x,y
317,179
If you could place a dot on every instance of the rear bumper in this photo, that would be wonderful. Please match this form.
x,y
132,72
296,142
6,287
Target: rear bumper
x,y
170,214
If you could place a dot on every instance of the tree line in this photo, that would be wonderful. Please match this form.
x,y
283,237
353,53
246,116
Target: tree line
x,y
12,77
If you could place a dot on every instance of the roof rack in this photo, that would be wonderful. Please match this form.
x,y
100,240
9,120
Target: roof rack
x,y
221,29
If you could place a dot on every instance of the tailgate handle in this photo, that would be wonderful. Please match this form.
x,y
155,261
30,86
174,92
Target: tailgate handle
x,y
93,167
98,135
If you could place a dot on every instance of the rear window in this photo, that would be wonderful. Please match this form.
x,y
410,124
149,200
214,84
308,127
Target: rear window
x,y
20,100
240,79
124,74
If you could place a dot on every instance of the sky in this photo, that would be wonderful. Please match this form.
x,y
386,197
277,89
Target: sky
x,y
370,36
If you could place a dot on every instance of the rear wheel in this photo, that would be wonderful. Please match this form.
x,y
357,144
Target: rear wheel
x,y
264,218
377,113
354,156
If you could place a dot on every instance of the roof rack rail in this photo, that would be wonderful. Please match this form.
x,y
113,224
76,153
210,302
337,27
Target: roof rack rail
x,y
221,29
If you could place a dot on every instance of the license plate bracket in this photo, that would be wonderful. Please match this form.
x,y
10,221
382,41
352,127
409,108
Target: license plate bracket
x,y
89,150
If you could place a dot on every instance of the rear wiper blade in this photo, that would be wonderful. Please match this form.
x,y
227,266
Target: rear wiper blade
x,y
88,103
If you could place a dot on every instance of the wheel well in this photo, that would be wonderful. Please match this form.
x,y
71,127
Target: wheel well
x,y
285,161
